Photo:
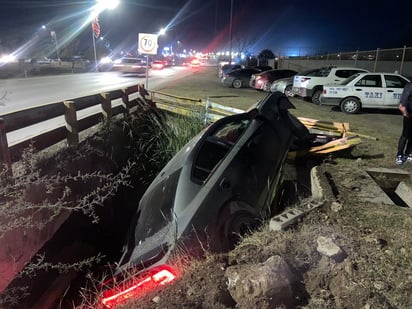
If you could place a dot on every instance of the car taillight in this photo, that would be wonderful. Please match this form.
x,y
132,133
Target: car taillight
x,y
137,287
304,79
324,91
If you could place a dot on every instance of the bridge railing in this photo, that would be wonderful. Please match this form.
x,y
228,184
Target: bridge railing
x,y
64,116
47,125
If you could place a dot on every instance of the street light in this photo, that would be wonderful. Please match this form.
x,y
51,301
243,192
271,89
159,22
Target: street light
x,y
230,32
162,31
54,37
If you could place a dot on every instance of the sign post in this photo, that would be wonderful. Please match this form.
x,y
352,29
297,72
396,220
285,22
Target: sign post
x,y
147,46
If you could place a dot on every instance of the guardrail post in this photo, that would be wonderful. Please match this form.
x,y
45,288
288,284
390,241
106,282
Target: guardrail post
x,y
207,106
126,103
71,123
107,106
5,158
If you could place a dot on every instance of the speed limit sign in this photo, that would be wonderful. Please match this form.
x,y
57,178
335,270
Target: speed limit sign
x,y
148,43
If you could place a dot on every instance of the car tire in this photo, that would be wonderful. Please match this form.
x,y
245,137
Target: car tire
x,y
266,86
237,84
236,221
288,91
316,97
350,105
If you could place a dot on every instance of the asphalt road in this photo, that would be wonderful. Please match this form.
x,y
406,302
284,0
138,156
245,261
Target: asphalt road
x,y
18,94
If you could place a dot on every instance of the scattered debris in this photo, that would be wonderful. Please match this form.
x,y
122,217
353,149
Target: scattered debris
x,y
269,282
282,221
327,247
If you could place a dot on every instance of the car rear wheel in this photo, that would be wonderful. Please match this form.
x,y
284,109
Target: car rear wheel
x,y
237,84
288,91
316,97
235,223
350,105
266,86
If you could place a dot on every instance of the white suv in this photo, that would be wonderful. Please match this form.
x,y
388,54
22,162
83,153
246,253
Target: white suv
x,y
310,83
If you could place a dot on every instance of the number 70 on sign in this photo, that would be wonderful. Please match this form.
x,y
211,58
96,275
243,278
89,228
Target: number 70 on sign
x,y
148,43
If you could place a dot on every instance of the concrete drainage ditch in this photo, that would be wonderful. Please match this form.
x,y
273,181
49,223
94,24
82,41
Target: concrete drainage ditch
x,y
376,185
396,184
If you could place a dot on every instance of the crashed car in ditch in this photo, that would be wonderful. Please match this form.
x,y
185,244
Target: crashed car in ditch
x,y
219,186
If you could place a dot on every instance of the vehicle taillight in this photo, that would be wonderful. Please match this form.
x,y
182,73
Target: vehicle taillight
x,y
304,79
324,91
137,287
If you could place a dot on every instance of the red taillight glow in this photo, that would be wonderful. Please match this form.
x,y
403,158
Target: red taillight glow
x,y
136,288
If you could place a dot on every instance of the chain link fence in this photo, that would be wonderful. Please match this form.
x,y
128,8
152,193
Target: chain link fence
x,y
397,60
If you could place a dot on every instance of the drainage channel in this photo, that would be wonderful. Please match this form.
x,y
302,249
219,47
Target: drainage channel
x,y
395,183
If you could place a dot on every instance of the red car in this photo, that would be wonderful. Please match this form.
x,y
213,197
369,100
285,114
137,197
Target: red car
x,y
263,81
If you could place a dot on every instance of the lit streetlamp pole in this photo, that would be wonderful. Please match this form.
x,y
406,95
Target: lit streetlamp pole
x,y
230,32
54,37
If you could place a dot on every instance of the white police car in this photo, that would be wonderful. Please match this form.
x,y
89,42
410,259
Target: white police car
x,y
365,90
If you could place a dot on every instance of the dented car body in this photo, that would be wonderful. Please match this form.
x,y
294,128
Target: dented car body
x,y
220,185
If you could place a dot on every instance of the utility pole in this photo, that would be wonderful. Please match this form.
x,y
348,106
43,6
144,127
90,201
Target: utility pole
x,y
230,32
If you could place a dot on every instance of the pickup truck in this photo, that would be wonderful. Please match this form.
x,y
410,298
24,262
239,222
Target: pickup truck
x,y
309,84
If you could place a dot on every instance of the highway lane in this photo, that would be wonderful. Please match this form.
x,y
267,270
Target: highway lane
x,y
18,94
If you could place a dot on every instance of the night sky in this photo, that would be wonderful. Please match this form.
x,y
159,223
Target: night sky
x,y
285,27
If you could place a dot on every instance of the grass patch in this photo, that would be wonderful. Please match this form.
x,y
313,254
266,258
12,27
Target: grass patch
x,y
122,156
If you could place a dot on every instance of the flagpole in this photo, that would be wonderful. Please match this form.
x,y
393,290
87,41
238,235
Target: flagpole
x,y
94,48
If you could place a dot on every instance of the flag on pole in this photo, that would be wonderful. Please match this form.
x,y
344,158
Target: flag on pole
x,y
96,27
53,35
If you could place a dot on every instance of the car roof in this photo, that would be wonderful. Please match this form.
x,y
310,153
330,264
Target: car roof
x,y
330,67
132,59
245,70
276,70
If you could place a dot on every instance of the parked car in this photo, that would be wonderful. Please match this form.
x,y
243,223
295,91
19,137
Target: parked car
x,y
309,84
226,68
263,68
365,90
129,65
263,80
218,187
284,85
238,78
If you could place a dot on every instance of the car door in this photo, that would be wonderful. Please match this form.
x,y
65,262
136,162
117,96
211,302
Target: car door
x,y
394,88
260,160
369,89
246,74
